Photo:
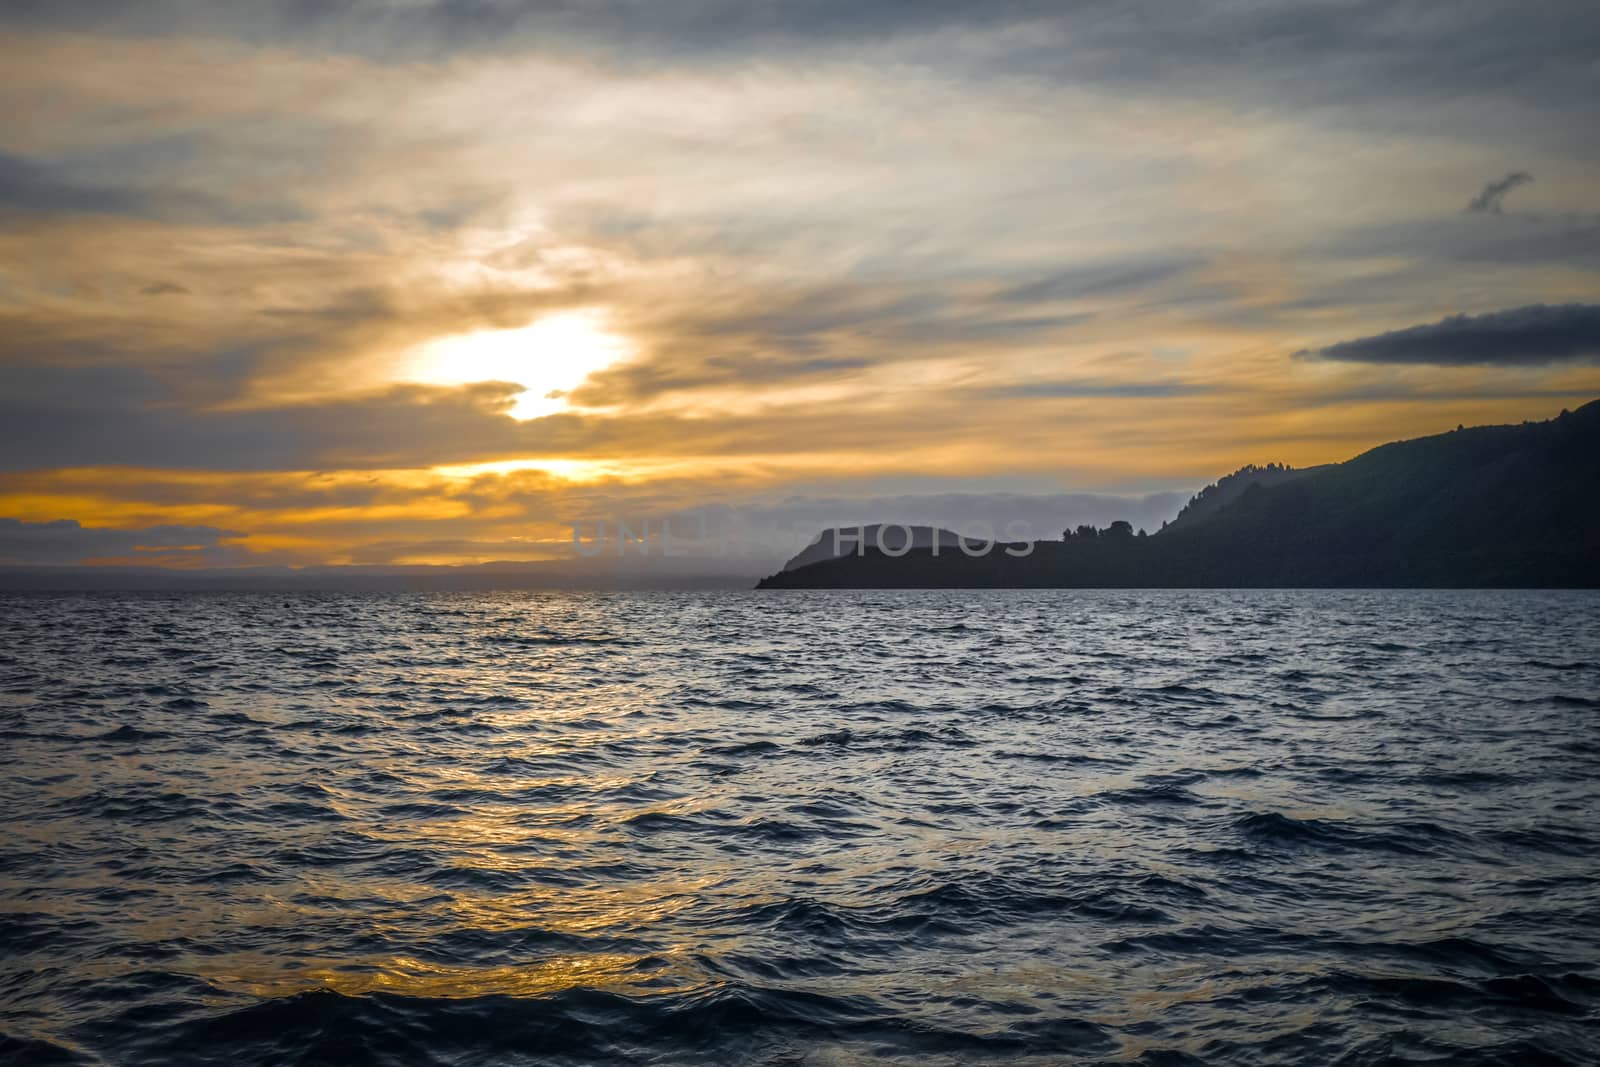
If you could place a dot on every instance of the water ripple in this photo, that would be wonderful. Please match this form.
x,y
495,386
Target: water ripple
x,y
811,828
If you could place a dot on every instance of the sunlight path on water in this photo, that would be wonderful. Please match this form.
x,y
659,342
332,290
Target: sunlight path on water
x,y
799,827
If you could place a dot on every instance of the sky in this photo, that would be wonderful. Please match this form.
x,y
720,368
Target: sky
x,y
412,282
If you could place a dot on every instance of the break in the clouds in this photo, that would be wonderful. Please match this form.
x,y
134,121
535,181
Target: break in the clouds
x,y
1491,200
1525,336
423,280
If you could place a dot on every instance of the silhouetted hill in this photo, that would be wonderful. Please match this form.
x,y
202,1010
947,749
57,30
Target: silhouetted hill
x,y
1225,490
1489,506
838,541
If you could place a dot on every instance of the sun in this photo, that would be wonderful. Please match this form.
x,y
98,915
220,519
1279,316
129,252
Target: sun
x,y
548,358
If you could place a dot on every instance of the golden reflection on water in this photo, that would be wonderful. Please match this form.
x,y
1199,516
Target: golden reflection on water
x,y
510,844
558,839
403,976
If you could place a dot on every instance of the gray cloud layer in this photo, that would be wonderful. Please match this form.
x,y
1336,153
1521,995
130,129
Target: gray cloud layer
x,y
29,187
1054,234
1342,51
1525,336
65,541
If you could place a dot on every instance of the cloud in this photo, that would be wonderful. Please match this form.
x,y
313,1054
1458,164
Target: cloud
x,y
1491,199
1093,387
1100,279
1526,336
53,418
838,240
28,187
1385,57
396,517
62,417
1570,241
66,541
31,188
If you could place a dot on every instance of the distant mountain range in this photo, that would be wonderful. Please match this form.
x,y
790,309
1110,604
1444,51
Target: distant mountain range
x,y
1490,506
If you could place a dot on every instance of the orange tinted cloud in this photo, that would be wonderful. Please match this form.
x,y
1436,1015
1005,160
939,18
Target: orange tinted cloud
x,y
265,277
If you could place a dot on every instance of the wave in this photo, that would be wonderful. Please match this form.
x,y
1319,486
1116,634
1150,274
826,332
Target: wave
x,y
1405,838
1188,827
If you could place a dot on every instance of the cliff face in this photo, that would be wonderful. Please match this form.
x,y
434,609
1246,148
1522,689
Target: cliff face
x,y
1489,506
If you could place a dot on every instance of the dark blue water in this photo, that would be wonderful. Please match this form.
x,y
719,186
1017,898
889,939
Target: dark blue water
x,y
801,828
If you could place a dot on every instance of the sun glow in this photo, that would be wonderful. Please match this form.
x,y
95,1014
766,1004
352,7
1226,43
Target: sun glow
x,y
567,470
548,358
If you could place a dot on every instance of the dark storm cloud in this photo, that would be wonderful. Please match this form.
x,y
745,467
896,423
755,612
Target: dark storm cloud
x,y
65,541
1526,336
1491,200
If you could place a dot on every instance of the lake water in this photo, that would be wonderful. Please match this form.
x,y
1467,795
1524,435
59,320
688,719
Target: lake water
x,y
801,828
